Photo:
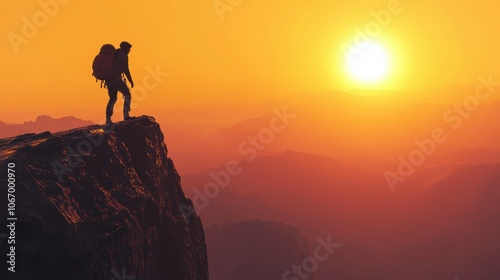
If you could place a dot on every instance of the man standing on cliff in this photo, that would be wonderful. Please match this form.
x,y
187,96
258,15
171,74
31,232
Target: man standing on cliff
x,y
116,83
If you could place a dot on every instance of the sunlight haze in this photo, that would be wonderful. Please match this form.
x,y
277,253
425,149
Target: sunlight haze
x,y
252,52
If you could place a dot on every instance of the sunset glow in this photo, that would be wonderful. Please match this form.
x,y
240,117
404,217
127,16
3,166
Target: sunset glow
x,y
369,63
212,51
366,130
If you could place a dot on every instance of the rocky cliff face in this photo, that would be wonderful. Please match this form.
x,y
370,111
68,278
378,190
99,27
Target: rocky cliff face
x,y
100,204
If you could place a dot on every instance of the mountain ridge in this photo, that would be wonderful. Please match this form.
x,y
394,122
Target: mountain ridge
x,y
40,124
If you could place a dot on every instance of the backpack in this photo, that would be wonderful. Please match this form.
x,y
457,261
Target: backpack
x,y
103,63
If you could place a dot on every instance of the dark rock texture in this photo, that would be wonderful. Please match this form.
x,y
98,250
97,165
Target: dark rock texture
x,y
95,203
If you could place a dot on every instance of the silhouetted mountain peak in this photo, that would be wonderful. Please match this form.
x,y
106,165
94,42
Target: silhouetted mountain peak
x,y
42,118
42,123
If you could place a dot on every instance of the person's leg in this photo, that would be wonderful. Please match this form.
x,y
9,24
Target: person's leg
x,y
112,92
123,88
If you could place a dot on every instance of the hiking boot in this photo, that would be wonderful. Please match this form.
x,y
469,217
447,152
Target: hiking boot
x,y
127,118
108,121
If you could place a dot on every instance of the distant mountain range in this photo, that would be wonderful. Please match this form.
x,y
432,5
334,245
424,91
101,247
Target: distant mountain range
x,y
41,124
441,221
367,131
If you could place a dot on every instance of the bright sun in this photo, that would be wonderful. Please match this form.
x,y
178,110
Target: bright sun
x,y
368,63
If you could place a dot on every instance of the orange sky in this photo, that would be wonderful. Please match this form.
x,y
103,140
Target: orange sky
x,y
253,51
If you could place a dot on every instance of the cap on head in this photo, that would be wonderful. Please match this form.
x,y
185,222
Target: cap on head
x,y
125,45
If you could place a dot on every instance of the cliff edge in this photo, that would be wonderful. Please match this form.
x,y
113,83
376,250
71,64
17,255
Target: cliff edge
x,y
95,203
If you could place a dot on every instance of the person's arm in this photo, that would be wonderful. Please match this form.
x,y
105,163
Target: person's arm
x,y
127,72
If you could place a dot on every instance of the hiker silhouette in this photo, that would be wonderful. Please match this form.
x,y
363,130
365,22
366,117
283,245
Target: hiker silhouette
x,y
115,82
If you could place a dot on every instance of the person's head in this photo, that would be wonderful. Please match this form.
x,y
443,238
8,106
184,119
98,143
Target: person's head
x,y
125,46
